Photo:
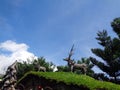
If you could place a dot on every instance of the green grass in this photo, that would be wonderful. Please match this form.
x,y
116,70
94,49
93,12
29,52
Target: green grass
x,y
71,78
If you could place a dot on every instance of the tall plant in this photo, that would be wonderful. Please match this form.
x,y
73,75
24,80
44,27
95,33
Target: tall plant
x,y
110,51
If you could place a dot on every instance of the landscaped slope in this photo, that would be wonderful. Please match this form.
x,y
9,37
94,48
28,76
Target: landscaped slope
x,y
73,79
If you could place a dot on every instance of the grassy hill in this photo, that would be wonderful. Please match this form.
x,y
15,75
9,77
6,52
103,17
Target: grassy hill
x,y
74,79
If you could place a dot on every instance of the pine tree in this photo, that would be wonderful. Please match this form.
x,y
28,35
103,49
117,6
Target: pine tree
x,y
110,51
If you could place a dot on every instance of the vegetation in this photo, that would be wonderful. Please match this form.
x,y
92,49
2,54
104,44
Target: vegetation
x,y
87,61
110,63
27,66
74,79
63,68
110,51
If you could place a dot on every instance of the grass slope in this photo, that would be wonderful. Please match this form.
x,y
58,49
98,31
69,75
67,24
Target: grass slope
x,y
74,79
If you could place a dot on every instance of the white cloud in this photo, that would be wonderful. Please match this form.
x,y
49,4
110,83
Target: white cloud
x,y
18,51
13,46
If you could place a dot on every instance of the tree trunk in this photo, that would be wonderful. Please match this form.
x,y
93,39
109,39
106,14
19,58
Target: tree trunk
x,y
115,78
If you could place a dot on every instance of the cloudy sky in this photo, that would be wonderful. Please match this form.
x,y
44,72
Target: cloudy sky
x,y
35,28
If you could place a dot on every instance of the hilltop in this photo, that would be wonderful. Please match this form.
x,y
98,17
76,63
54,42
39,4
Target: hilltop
x,y
64,81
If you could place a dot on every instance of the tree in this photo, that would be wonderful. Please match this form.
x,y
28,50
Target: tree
x,y
42,62
23,67
27,66
110,51
63,68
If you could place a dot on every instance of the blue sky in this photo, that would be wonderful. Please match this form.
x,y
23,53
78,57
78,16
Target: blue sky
x,y
50,27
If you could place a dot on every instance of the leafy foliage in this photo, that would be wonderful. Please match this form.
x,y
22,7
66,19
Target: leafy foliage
x,y
23,68
110,51
63,68
27,66
116,26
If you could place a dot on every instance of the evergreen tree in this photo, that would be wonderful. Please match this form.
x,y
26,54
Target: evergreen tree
x,y
110,51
